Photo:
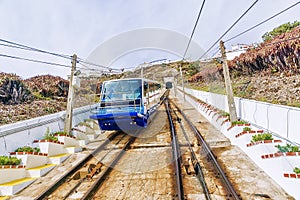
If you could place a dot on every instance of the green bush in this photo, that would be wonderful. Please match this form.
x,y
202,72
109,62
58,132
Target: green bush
x,y
246,129
50,136
261,137
238,122
223,113
27,149
7,160
60,133
296,170
287,148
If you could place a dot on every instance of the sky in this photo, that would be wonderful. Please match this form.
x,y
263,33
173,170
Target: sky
x,y
118,33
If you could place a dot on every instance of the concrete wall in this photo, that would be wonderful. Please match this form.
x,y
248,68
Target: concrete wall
x,y
25,132
274,167
281,120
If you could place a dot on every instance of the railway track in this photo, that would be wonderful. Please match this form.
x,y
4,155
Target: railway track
x,y
205,165
88,174
161,162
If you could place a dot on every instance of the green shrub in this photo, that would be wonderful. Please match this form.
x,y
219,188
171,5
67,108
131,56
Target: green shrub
x,y
223,113
296,170
60,133
261,137
246,129
27,149
238,122
287,148
50,136
7,160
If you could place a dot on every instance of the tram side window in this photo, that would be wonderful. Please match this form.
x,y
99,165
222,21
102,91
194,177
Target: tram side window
x,y
145,89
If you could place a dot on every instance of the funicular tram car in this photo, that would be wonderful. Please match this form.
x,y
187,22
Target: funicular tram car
x,y
127,104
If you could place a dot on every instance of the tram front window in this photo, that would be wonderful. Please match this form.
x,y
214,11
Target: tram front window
x,y
122,90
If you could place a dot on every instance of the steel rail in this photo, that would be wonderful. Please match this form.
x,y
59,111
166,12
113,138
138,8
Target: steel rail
x,y
96,185
196,165
72,190
59,182
210,154
176,154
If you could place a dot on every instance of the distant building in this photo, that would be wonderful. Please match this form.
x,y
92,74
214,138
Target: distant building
x,y
236,50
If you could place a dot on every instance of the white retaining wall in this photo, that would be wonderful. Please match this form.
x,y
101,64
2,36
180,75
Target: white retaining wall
x,y
25,132
274,167
281,120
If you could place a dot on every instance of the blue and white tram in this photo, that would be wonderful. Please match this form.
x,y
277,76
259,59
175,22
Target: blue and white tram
x,y
127,104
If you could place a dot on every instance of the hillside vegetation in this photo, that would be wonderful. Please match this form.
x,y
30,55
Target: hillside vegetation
x,y
269,72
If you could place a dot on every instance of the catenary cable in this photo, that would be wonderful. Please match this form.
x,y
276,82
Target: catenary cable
x,y
192,34
229,29
249,29
25,47
33,60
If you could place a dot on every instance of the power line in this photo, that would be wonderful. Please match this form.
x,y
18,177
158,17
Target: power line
x,y
33,60
94,64
229,28
192,34
25,47
262,22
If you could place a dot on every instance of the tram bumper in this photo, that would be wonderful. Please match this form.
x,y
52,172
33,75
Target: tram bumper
x,y
121,121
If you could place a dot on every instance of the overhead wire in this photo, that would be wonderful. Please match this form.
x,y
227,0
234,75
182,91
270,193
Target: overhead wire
x,y
25,47
79,60
192,34
249,29
11,44
34,60
228,29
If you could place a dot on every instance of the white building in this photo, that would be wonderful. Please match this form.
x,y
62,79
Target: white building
x,y
236,50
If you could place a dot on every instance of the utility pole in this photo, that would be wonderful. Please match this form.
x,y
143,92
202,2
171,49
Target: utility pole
x,y
230,99
69,112
142,72
182,82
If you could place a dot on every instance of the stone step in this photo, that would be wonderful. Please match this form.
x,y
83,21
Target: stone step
x,y
12,187
40,170
57,159
73,149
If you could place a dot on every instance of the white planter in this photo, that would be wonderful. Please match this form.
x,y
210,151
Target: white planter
x,y
51,148
11,174
68,141
31,160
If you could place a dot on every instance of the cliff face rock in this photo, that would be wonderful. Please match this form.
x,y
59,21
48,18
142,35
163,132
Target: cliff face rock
x,y
13,90
48,85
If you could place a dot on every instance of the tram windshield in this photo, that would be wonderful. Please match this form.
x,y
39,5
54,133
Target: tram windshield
x,y
122,90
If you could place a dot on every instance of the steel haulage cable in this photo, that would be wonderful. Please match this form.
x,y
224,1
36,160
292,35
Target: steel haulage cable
x,y
229,28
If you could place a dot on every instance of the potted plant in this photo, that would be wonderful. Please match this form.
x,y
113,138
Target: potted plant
x,y
67,139
296,173
30,156
261,137
289,150
10,169
238,123
8,160
50,144
28,149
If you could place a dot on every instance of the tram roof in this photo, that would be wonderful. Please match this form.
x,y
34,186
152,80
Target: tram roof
x,y
125,79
